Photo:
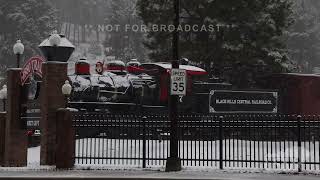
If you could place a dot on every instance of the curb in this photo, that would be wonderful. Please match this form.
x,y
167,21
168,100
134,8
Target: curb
x,y
107,178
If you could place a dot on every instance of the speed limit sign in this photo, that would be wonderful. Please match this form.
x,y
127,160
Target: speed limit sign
x,y
178,82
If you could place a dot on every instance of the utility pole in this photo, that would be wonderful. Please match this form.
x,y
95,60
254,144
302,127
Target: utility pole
x,y
174,162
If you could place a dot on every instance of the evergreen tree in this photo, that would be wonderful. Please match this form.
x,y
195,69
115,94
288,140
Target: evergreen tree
x,y
303,37
250,33
157,12
126,42
29,20
81,13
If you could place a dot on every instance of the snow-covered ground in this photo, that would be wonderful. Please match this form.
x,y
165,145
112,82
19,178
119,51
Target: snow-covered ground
x,y
34,157
237,153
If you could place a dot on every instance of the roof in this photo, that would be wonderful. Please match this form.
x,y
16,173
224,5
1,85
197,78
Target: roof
x,y
133,62
297,74
185,67
116,62
64,42
83,61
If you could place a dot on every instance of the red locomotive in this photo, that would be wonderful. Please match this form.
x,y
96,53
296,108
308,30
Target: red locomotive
x,y
117,86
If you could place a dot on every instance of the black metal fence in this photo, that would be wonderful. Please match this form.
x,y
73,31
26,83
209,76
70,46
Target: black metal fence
x,y
231,141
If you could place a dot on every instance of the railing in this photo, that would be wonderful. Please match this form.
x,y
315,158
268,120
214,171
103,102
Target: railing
x,y
246,141
120,139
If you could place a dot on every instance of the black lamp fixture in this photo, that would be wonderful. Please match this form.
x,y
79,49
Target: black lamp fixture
x,y
57,48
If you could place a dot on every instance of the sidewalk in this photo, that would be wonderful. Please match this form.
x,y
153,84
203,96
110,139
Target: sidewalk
x,y
150,174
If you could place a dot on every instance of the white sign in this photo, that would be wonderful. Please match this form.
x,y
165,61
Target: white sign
x,y
33,123
178,82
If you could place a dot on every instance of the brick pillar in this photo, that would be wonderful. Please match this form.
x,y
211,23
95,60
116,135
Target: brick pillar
x,y
65,140
16,143
54,76
2,136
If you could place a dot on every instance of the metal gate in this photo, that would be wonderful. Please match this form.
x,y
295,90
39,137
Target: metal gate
x,y
121,139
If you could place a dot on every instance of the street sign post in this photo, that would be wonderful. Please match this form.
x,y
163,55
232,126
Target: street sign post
x,y
178,82
31,76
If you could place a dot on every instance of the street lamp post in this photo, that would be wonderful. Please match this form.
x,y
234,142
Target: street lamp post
x,y
174,162
66,91
18,49
3,96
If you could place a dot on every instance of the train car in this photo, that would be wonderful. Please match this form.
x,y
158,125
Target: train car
x,y
298,93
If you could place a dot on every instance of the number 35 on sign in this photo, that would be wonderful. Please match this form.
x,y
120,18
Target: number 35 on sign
x,y
178,82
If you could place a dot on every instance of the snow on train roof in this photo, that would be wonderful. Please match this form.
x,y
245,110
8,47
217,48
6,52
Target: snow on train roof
x,y
116,62
83,61
185,67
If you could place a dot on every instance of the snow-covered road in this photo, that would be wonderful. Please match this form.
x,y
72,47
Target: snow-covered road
x,y
145,174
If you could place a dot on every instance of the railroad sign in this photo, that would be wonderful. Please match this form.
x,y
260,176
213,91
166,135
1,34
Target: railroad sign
x,y
178,82
224,101
31,67
31,115
31,75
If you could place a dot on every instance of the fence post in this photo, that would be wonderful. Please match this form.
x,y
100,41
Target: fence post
x,y
221,142
144,147
299,142
65,137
